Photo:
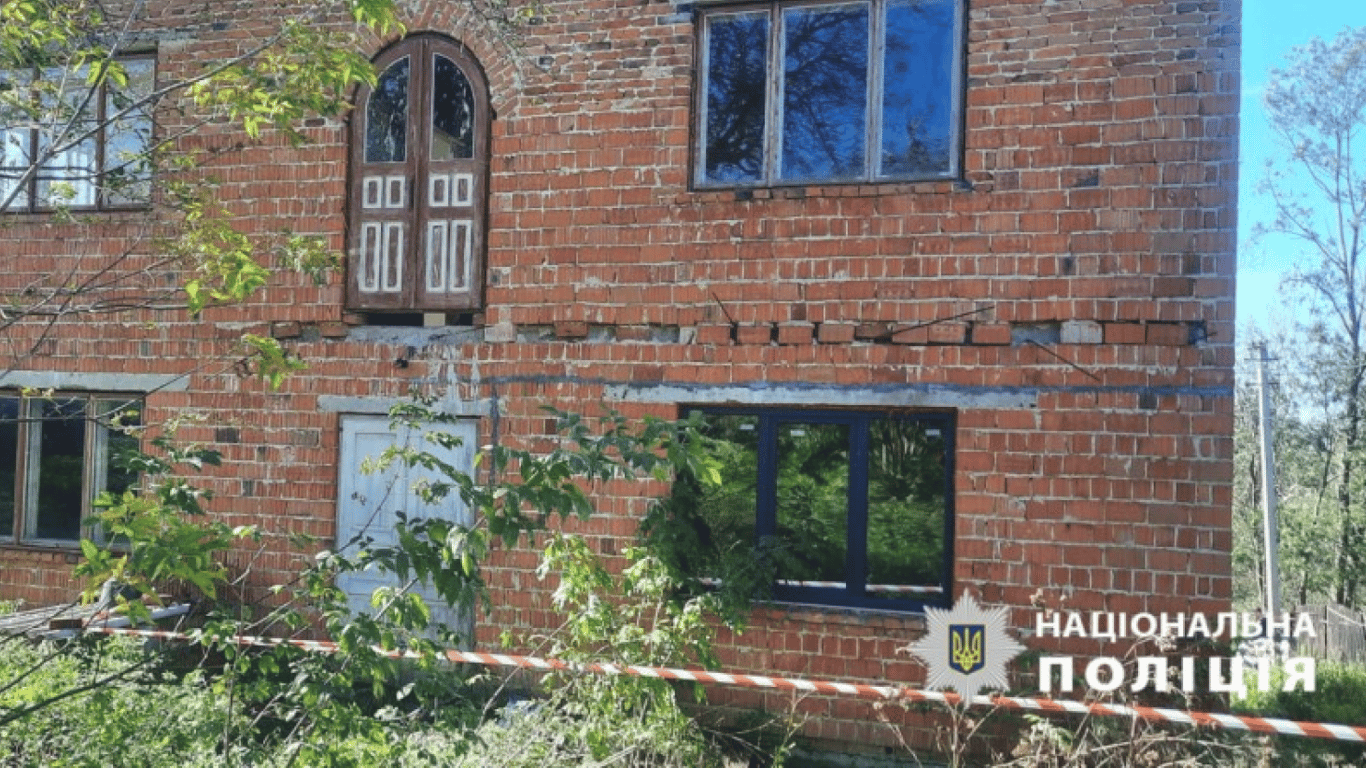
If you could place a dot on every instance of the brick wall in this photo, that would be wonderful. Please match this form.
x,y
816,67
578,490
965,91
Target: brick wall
x,y
1070,297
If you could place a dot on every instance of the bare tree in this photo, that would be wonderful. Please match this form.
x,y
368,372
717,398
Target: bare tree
x,y
1317,106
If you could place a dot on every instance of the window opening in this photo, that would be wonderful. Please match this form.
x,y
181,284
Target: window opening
x,y
419,182
830,92
98,143
56,456
851,507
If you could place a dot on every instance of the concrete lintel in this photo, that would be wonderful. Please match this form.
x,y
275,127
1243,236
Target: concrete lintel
x,y
95,382
904,396
416,336
382,405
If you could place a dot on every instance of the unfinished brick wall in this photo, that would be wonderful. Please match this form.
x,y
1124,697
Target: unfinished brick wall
x,y
1070,297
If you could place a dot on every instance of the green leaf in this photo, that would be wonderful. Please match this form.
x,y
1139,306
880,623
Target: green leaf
x,y
195,296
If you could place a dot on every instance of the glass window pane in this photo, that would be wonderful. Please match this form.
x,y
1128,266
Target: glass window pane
x,y
452,113
812,503
907,485
386,116
128,136
115,416
108,455
724,513
917,88
60,473
9,454
825,92
737,49
15,148
14,161
67,178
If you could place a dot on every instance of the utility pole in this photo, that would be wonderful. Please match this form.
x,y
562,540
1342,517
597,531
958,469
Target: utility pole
x,y
1271,534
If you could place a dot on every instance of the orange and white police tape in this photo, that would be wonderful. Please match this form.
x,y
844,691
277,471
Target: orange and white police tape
x,y
1153,714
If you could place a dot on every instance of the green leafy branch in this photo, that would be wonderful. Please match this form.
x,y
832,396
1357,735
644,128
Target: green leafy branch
x,y
158,533
309,71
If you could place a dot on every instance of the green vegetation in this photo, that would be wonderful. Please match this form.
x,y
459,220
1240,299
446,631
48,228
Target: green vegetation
x,y
133,713
359,707
1339,696
108,701
1316,106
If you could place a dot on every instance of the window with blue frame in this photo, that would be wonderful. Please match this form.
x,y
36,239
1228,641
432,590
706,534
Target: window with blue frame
x,y
843,92
851,508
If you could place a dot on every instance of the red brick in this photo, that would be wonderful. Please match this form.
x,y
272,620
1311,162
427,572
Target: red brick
x,y
1125,333
571,329
286,330
795,333
1168,334
836,333
1167,287
948,333
754,334
714,334
648,373
991,333
873,331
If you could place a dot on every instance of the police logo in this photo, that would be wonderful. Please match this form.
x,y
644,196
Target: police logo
x,y
966,648
967,653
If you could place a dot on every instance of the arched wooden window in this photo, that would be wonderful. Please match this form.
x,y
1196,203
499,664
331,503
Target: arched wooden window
x,y
419,181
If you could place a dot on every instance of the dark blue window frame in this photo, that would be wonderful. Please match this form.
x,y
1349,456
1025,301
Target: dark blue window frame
x,y
854,591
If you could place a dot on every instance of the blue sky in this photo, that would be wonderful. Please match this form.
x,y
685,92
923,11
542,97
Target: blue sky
x,y
1270,29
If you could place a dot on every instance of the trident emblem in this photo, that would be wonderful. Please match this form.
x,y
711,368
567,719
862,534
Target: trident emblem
x,y
966,653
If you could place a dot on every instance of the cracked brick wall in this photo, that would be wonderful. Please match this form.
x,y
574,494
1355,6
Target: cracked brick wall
x,y
1070,297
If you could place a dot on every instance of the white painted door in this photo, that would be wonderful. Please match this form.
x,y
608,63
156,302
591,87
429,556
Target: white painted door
x,y
367,502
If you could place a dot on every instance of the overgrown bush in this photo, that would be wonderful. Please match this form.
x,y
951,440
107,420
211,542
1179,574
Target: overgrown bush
x,y
1339,696
115,704
114,701
359,707
632,617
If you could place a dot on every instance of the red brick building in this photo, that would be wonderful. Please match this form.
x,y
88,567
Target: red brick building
x,y
998,233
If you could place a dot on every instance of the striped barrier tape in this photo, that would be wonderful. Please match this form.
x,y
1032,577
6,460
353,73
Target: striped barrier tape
x,y
1268,725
